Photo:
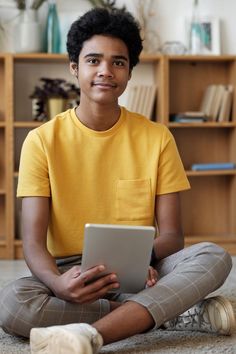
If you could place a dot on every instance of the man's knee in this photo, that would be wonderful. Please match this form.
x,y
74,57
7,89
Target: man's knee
x,y
217,252
18,315
215,258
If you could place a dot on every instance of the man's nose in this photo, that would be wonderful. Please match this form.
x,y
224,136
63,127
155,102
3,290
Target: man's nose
x,y
105,70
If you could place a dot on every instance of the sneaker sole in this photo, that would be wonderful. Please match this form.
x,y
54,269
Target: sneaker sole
x,y
230,317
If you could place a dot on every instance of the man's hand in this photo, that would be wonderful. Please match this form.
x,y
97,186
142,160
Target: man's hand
x,y
152,277
81,288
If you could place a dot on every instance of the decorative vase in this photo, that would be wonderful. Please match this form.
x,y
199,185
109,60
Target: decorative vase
x,y
196,32
28,33
53,36
55,105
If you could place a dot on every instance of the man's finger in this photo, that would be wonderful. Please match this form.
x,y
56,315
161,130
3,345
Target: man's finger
x,y
91,273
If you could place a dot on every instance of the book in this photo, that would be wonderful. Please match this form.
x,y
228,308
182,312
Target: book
x,y
216,105
208,101
151,99
141,99
217,102
188,117
213,166
194,114
226,106
189,120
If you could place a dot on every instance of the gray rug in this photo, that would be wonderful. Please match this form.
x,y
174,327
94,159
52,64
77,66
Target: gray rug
x,y
158,341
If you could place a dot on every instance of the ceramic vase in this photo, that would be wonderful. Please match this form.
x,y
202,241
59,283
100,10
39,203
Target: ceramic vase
x,y
28,33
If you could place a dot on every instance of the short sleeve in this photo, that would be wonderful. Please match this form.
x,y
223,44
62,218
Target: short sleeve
x,y
33,171
171,174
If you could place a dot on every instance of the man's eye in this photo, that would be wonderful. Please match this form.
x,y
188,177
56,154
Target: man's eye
x,y
119,63
92,60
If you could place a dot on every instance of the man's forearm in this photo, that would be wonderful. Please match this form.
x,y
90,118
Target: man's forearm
x,y
41,264
167,244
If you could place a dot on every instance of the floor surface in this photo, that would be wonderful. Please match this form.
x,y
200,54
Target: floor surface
x,y
13,269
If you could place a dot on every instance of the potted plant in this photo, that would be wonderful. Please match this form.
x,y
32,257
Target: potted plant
x,y
53,97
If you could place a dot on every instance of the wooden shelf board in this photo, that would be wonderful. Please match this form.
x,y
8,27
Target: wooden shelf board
x,y
203,125
40,57
228,242
64,57
2,191
17,243
145,57
32,124
18,249
27,124
2,124
205,58
219,238
211,173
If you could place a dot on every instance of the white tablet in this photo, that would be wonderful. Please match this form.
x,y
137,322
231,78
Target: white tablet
x,y
124,250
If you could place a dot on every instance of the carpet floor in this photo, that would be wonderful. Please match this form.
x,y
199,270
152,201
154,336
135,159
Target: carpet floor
x,y
159,341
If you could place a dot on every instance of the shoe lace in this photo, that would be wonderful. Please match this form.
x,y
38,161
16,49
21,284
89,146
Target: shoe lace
x,y
195,318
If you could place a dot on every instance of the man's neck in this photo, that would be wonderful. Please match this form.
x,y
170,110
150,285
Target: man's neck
x,y
97,117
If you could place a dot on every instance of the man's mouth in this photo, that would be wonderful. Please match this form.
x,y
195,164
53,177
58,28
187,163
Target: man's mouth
x,y
104,84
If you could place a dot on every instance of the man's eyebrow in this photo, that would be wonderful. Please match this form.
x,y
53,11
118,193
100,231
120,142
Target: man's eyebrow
x,y
99,55
120,57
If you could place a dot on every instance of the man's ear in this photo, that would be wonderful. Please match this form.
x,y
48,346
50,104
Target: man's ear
x,y
74,69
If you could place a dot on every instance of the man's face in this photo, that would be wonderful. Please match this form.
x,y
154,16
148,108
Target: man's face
x,y
103,69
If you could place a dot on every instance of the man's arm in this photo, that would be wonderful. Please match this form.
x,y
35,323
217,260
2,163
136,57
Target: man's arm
x,y
170,239
35,217
72,285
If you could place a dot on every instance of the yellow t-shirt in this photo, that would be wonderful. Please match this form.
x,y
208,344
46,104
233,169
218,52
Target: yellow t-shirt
x,y
92,176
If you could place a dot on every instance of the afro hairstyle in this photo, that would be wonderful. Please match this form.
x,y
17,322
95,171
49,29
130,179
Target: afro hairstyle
x,y
99,21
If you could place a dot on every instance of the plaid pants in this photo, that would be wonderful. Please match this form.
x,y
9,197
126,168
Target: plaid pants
x,y
186,277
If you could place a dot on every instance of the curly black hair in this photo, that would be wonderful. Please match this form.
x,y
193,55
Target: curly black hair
x,y
117,23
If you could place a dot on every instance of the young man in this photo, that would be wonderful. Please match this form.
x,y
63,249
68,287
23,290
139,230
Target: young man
x,y
99,163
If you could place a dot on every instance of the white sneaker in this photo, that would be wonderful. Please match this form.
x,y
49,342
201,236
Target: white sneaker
x,y
213,315
68,339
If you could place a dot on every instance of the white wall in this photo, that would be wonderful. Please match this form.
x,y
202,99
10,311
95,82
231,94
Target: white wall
x,y
169,19
171,14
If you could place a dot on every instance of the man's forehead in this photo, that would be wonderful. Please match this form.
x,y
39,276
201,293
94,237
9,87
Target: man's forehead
x,y
103,45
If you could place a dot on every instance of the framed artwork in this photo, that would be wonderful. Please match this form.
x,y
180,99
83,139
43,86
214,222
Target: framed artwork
x,y
204,36
66,18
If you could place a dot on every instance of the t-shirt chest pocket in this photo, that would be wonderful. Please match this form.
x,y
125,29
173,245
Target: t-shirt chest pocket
x,y
133,199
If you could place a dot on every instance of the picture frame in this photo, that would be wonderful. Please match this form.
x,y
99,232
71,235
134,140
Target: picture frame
x,y
203,36
66,18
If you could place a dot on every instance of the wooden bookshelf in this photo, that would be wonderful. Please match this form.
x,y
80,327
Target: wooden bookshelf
x,y
208,209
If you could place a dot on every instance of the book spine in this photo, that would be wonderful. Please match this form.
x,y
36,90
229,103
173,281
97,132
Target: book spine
x,y
213,166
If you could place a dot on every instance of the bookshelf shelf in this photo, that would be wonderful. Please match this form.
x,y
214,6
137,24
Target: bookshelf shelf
x,y
203,125
180,81
211,173
27,124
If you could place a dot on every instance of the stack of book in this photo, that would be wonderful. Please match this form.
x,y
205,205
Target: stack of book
x,y
217,102
216,106
189,117
141,99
